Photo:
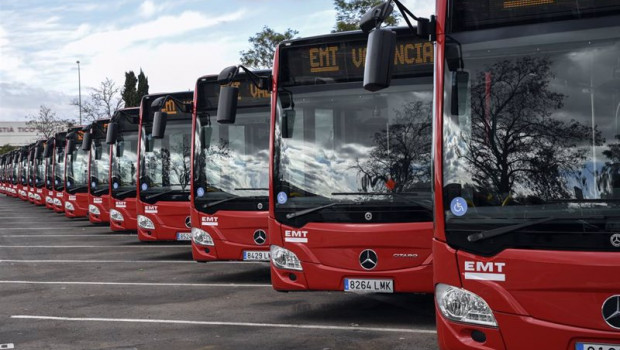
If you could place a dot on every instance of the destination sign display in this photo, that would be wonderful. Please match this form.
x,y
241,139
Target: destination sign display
x,y
343,61
474,14
249,94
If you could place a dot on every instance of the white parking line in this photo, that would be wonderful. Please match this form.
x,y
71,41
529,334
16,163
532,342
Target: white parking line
x,y
233,324
98,261
141,284
95,246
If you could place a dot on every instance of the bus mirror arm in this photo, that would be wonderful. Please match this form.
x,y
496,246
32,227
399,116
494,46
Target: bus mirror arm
x,y
425,28
229,95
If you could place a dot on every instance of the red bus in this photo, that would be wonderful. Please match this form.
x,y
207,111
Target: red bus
x,y
98,171
122,135
230,195
37,176
4,173
164,145
76,174
527,174
22,173
48,158
351,205
14,174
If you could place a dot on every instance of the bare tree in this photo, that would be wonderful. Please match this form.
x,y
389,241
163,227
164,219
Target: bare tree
x,y
102,102
47,123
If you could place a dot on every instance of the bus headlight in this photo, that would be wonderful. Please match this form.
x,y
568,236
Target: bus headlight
x,y
460,305
37,197
145,223
93,209
116,215
201,237
284,258
69,206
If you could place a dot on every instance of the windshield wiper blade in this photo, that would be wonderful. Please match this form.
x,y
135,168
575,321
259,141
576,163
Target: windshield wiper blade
x,y
78,188
100,191
212,204
124,192
395,194
321,207
474,237
159,194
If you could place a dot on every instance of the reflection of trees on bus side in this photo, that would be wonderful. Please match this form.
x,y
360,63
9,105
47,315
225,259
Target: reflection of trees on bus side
x,y
401,152
609,181
514,139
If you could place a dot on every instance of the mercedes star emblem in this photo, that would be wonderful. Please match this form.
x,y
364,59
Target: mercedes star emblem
x,y
368,216
615,240
188,222
260,237
368,259
611,311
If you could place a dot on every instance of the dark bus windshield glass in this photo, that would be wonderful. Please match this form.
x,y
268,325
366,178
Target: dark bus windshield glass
x,y
537,136
165,163
356,151
77,168
40,172
59,169
124,162
99,166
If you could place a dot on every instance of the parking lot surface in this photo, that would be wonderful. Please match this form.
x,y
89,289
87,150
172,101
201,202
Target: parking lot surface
x,y
68,284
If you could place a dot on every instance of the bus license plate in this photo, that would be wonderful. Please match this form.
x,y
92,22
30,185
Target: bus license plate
x,y
368,285
251,255
593,346
184,236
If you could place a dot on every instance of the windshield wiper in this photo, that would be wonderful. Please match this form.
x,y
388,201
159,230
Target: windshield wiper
x,y
77,188
506,229
124,192
100,191
159,194
312,210
399,195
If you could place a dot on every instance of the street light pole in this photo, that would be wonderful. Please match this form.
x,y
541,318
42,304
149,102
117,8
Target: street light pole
x,y
79,91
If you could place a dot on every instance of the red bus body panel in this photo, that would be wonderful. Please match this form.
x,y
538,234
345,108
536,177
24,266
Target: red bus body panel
x,y
41,193
232,233
168,218
103,204
80,205
127,207
49,204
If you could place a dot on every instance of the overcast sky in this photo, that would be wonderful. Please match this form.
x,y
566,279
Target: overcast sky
x,y
173,41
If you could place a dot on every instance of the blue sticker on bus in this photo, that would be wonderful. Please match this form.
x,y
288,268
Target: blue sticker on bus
x,y
458,206
144,187
282,198
115,185
200,192
93,184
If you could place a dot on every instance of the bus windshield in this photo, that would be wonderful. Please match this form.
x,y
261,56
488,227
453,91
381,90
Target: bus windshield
x,y
59,169
165,162
77,168
536,136
124,163
99,167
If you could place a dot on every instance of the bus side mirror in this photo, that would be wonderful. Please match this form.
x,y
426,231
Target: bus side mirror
x,y
460,93
287,123
112,133
70,144
227,104
87,141
119,150
159,124
205,136
379,59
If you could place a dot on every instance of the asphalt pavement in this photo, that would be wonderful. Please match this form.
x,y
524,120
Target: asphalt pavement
x,y
68,284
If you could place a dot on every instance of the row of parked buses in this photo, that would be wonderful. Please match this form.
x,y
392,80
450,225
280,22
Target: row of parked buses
x,y
476,155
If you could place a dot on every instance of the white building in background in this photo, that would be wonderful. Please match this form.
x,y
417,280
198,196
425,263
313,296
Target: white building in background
x,y
17,134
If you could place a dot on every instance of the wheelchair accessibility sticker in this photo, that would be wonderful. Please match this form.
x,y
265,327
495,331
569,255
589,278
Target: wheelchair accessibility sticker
x,y
458,206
